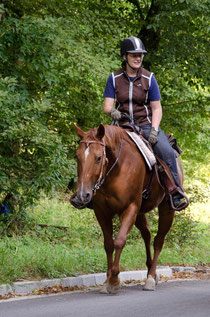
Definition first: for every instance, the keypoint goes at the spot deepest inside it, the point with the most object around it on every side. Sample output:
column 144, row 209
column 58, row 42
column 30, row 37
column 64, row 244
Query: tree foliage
column 55, row 57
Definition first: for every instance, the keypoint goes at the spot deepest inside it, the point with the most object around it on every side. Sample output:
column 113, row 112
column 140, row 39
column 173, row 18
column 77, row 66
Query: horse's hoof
column 150, row 284
column 113, row 289
column 157, row 279
column 103, row 289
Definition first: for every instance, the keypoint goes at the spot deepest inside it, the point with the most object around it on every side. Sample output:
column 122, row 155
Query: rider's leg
column 165, row 152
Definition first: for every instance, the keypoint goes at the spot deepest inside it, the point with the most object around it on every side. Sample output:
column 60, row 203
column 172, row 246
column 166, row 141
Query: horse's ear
column 100, row 132
column 79, row 131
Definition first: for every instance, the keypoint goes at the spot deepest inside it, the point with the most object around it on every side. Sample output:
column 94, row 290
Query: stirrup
column 184, row 205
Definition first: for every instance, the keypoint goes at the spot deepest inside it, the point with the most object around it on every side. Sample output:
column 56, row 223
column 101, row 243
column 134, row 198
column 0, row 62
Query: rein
column 101, row 180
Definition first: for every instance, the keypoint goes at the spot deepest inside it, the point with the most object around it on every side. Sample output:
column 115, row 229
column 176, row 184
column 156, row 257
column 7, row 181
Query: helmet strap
column 128, row 63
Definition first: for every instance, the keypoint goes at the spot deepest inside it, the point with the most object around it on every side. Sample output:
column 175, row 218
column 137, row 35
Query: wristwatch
column 156, row 130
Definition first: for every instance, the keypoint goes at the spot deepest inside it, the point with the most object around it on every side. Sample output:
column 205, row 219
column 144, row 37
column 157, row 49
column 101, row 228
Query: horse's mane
column 112, row 134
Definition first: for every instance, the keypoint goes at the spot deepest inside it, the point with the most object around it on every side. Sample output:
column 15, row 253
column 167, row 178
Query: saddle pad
column 144, row 150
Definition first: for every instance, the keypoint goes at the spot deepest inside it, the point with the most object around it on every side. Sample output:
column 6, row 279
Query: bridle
column 101, row 179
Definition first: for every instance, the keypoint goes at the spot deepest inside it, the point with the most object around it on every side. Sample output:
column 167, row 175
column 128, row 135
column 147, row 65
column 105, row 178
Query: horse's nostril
column 87, row 196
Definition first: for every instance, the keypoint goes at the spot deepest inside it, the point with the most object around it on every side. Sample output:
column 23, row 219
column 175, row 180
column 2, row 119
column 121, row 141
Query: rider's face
column 135, row 60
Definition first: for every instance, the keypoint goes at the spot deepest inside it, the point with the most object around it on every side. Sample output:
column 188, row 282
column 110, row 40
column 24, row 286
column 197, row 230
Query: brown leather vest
column 132, row 96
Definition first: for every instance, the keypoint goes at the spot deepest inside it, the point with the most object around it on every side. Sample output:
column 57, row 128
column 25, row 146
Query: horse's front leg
column 128, row 219
column 107, row 229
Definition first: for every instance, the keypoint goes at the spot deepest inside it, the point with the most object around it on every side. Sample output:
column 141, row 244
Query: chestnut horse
column 113, row 174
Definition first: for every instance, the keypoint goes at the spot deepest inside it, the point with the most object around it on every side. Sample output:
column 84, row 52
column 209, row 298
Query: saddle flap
column 144, row 150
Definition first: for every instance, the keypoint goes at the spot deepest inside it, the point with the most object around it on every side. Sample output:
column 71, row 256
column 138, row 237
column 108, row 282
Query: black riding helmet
column 132, row 45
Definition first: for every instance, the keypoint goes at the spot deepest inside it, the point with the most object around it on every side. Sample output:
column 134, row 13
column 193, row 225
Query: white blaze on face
column 86, row 156
column 86, row 153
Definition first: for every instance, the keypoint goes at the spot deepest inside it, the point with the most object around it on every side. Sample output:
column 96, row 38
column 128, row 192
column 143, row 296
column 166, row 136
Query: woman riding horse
column 113, row 174
column 137, row 94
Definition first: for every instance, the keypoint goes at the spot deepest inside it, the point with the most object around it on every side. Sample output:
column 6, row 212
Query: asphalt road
column 172, row 299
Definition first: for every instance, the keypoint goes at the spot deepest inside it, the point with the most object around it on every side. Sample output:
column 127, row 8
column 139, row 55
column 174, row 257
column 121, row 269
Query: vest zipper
column 131, row 100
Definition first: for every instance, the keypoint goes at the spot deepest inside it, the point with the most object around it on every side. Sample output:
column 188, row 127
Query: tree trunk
column 149, row 37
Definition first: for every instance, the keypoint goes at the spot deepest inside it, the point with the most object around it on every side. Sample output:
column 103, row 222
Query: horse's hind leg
column 165, row 221
column 142, row 225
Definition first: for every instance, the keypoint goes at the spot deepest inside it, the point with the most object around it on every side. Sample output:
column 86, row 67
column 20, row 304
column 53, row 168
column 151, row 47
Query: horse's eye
column 98, row 159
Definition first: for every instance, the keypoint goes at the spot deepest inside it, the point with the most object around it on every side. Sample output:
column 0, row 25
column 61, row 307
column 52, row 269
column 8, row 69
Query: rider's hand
column 153, row 136
column 115, row 114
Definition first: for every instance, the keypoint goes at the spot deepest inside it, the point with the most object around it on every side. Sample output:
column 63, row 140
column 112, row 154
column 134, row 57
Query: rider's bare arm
column 108, row 105
column 156, row 113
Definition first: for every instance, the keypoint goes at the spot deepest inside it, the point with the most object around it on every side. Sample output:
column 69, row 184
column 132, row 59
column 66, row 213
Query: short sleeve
column 154, row 92
column 109, row 89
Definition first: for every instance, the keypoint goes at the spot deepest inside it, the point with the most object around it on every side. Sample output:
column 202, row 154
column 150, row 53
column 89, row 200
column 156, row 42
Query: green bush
column 32, row 157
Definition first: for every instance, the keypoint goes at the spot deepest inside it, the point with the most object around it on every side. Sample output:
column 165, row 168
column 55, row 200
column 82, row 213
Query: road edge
column 87, row 280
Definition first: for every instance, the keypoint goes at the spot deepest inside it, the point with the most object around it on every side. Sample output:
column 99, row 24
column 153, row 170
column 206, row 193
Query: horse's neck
column 114, row 143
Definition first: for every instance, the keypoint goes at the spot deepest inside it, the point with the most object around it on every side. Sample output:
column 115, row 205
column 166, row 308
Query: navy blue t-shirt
column 153, row 92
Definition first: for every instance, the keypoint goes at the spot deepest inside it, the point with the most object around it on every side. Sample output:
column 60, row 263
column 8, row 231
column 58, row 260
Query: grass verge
column 77, row 248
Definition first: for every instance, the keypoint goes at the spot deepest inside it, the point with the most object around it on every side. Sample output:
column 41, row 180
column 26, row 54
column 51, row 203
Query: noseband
column 101, row 180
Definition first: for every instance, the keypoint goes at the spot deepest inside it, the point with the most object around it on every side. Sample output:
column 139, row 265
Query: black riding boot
column 178, row 200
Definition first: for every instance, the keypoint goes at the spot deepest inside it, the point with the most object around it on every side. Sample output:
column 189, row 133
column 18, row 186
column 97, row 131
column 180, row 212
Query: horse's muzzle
column 77, row 203
column 84, row 196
